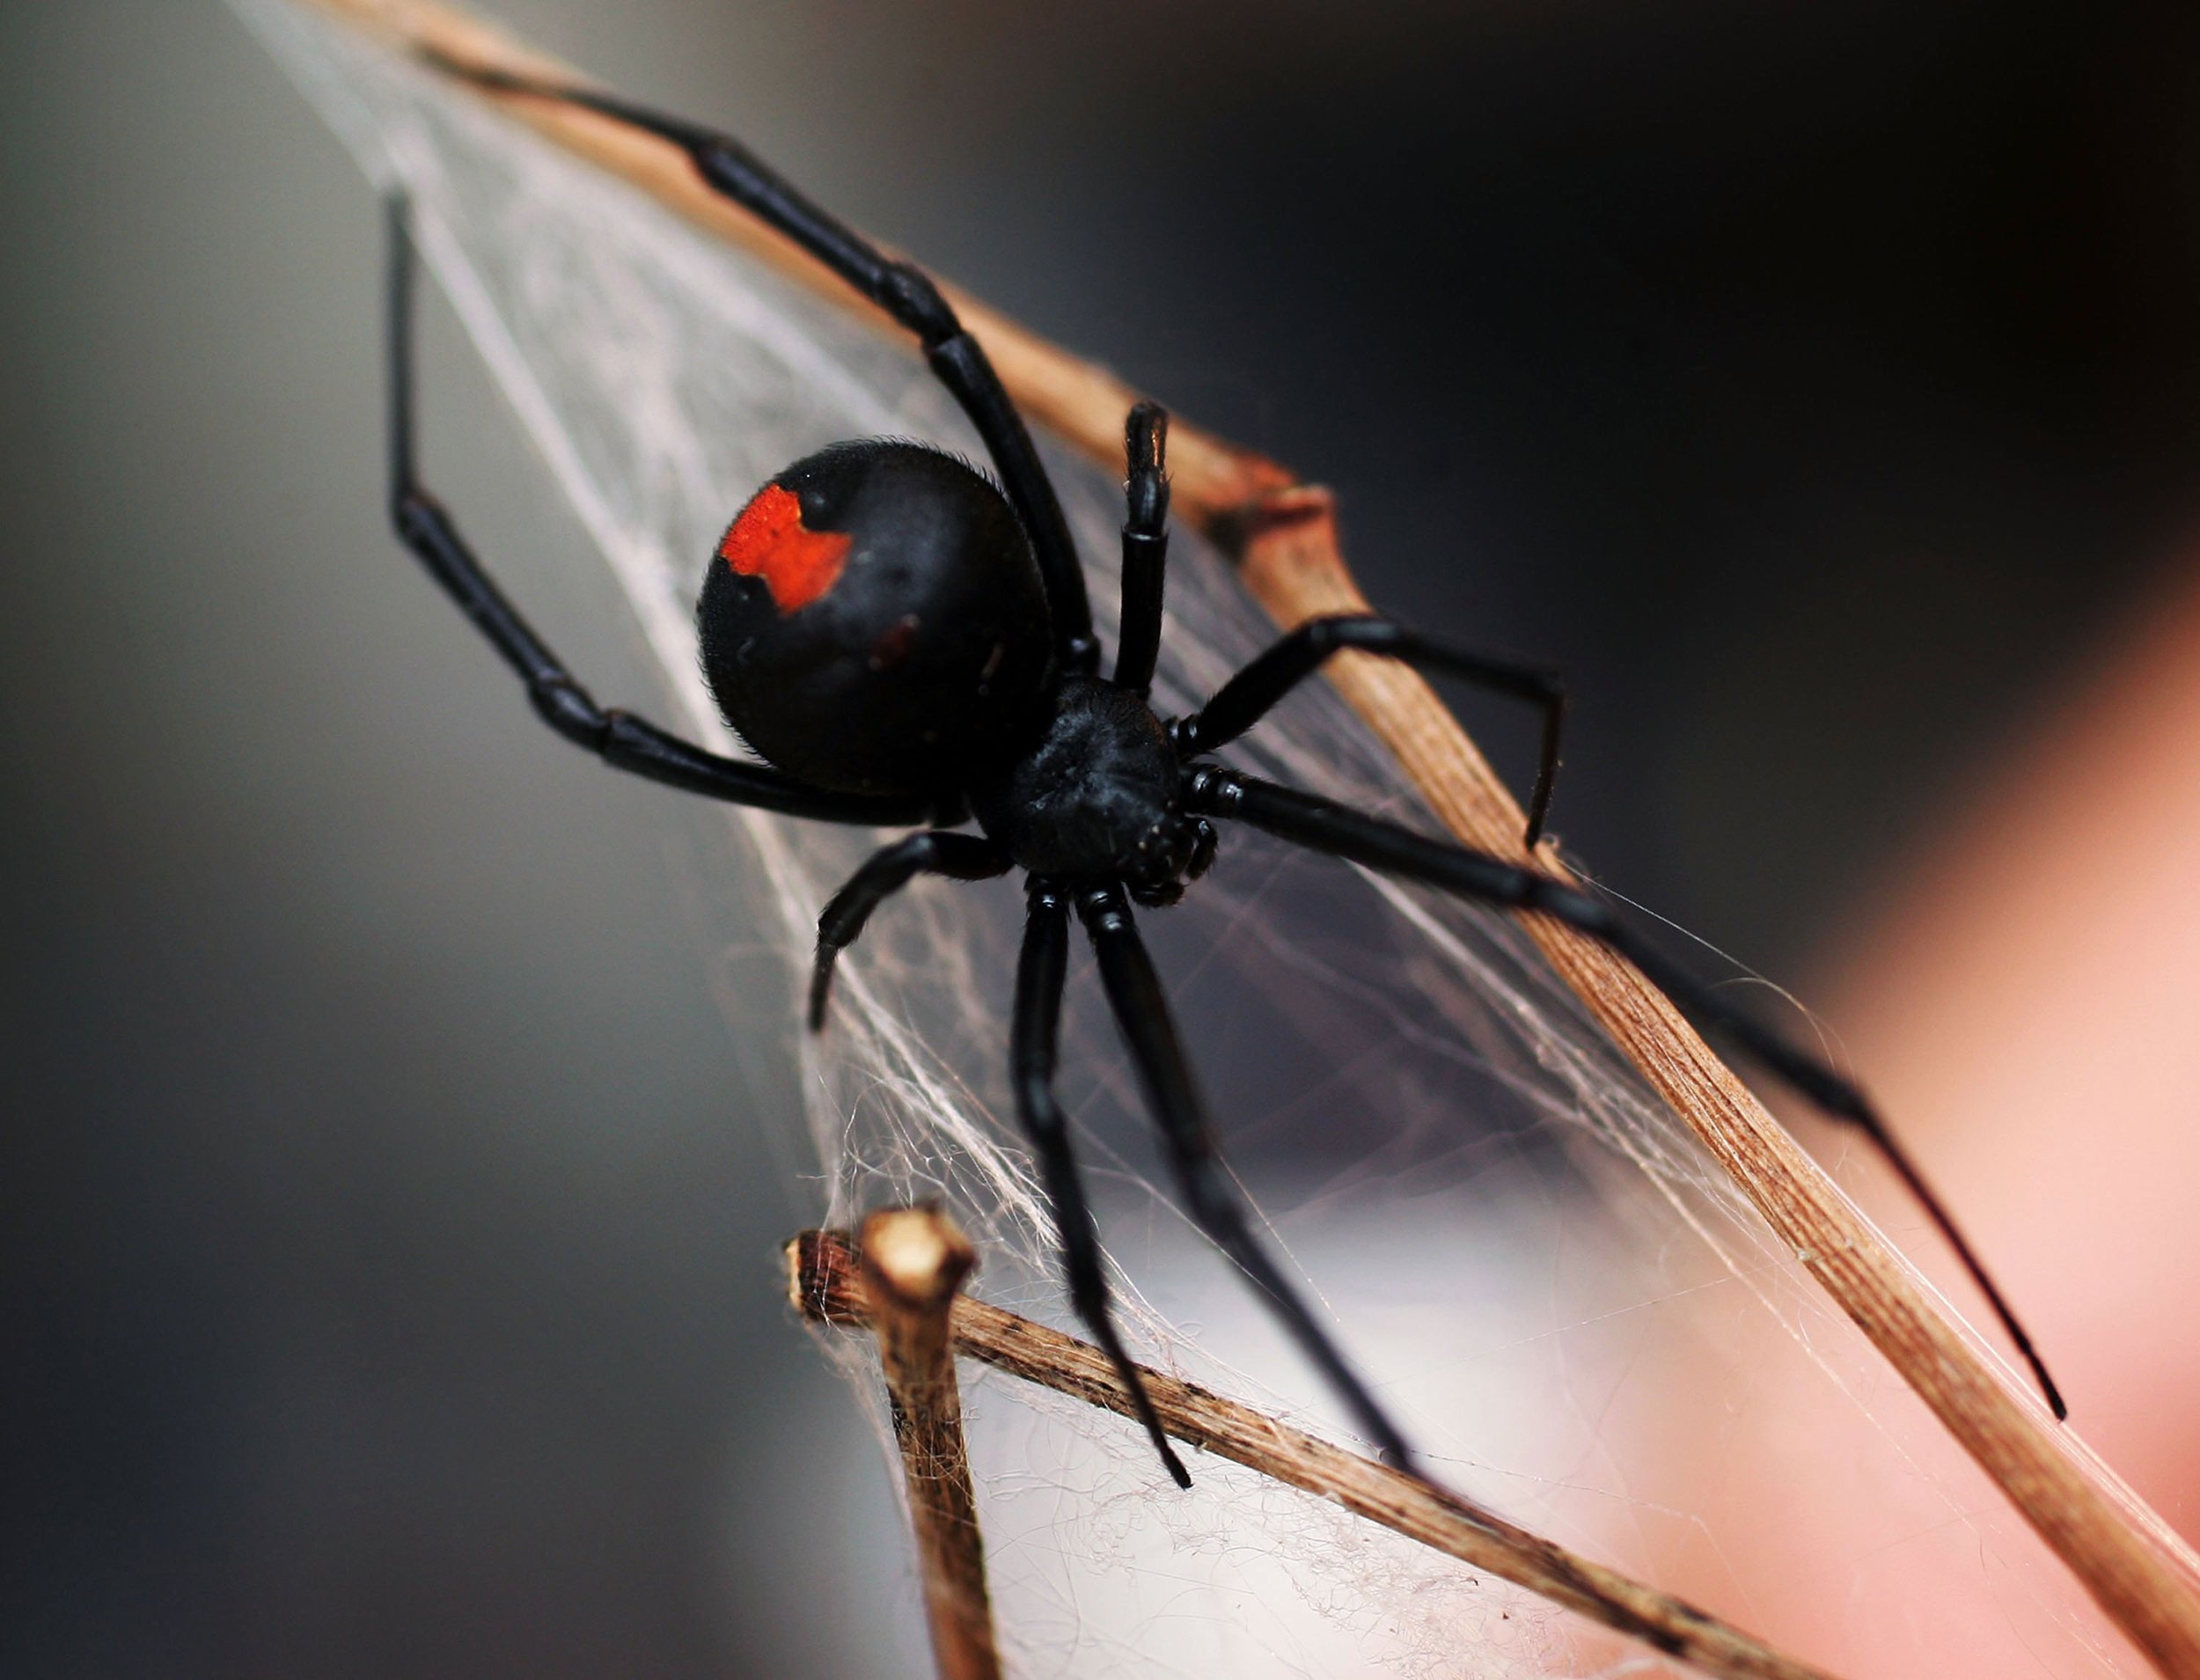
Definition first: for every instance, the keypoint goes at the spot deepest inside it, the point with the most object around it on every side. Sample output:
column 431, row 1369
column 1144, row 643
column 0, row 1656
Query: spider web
column 1565, row 1303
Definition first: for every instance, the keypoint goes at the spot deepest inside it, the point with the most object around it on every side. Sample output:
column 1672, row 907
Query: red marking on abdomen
column 768, row 541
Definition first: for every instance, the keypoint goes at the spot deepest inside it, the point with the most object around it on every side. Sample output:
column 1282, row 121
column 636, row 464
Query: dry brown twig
column 1283, row 536
column 912, row 1262
column 830, row 1282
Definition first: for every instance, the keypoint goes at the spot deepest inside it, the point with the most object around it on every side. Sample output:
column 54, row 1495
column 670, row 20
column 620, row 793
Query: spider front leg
column 1032, row 1042
column 1324, row 826
column 1145, row 545
column 1210, row 1197
column 960, row 857
column 1248, row 697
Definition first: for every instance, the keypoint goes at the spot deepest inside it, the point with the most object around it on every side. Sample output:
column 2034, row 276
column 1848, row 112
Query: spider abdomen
column 875, row 620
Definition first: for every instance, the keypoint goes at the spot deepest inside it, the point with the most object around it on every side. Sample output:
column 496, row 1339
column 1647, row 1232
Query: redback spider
column 904, row 641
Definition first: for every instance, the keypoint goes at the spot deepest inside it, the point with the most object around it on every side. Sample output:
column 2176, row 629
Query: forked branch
column 829, row 1284
column 909, row 1267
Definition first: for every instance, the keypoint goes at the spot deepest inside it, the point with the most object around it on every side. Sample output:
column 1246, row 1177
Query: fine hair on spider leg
column 906, row 642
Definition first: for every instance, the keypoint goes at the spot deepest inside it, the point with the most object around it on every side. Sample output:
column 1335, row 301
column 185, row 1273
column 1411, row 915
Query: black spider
column 905, row 643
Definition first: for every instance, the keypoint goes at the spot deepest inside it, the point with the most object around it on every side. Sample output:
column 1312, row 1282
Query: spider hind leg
column 621, row 739
column 902, row 289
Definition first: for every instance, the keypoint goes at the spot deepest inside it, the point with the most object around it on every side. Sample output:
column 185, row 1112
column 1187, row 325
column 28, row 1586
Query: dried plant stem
column 1284, row 535
column 829, row 1284
column 912, row 1262
column 2137, row 1569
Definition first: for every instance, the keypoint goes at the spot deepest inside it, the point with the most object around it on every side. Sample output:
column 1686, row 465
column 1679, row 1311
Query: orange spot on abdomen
column 768, row 541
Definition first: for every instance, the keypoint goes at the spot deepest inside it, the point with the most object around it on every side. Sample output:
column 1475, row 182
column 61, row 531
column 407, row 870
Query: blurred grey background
column 389, row 1257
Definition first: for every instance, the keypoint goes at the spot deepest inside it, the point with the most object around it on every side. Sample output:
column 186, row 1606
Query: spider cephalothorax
column 1098, row 796
column 904, row 641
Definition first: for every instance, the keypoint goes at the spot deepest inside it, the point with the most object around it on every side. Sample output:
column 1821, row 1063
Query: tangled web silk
column 1564, row 1303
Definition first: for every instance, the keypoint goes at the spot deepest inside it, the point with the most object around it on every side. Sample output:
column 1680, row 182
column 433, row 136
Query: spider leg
column 1323, row 826
column 620, row 738
column 960, row 857
column 1246, row 698
column 1145, row 545
column 1210, row 1197
column 1032, row 1050
column 900, row 288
